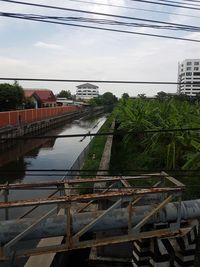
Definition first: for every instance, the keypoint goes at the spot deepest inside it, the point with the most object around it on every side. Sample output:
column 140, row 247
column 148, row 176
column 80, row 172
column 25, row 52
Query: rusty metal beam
column 100, row 195
column 173, row 180
column 100, row 242
column 78, row 181
column 117, row 218
column 97, row 219
column 155, row 210
column 12, row 242
column 91, row 201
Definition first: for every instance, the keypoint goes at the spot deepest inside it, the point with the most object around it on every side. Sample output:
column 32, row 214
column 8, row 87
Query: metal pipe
column 115, row 219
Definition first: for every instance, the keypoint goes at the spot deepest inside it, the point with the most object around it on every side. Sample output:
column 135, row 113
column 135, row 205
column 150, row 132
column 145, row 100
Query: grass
column 93, row 159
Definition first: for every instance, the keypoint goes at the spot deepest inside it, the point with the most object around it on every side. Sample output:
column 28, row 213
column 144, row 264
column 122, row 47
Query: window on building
column 189, row 63
column 196, row 73
column 196, row 68
column 188, row 68
column 196, row 63
column 188, row 73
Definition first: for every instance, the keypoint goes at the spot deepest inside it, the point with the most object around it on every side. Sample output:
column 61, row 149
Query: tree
column 143, row 96
column 64, row 94
column 162, row 96
column 11, row 96
column 106, row 99
column 125, row 96
column 28, row 103
column 109, row 98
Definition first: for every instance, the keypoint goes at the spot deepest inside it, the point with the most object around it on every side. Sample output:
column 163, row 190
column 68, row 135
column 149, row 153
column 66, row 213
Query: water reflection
column 44, row 154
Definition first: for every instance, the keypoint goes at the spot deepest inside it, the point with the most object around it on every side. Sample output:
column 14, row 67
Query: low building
column 42, row 98
column 29, row 93
column 87, row 91
column 189, row 72
column 61, row 101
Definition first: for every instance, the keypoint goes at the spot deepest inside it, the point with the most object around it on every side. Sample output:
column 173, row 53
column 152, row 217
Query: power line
column 195, row 1
column 175, row 2
column 142, row 171
column 115, row 133
column 165, row 4
column 93, row 81
column 96, row 21
column 115, row 30
column 134, row 8
column 103, row 170
column 96, row 13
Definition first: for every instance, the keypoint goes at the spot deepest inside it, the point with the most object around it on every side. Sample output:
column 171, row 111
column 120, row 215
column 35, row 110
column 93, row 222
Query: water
column 60, row 153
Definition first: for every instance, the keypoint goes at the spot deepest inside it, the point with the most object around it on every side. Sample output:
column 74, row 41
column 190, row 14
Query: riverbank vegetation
column 168, row 150
column 92, row 161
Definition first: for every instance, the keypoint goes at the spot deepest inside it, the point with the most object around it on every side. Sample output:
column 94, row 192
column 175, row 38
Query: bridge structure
column 145, row 211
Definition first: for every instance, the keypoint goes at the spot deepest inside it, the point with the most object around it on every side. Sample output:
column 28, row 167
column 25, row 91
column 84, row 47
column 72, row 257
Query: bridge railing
column 120, row 194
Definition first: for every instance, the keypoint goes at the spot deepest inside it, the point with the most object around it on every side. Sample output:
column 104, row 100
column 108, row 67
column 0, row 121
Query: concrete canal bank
column 42, row 125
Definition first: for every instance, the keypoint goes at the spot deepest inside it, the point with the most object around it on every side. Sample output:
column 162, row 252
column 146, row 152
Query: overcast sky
column 39, row 50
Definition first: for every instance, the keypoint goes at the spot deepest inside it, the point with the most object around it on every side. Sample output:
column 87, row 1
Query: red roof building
column 42, row 98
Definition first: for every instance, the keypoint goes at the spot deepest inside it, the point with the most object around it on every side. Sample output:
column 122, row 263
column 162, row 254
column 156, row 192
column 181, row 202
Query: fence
column 30, row 115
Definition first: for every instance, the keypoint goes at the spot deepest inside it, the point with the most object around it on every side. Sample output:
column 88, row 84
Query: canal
column 24, row 162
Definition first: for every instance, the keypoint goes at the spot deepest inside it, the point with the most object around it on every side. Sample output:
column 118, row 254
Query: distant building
column 42, row 98
column 189, row 72
column 87, row 91
column 62, row 101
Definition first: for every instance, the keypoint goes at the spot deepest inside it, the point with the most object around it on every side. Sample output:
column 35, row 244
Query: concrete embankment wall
column 42, row 125
column 26, row 116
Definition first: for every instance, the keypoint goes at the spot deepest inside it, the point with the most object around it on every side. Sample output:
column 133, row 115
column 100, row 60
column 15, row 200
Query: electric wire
column 164, row 4
column 115, row 30
column 100, row 28
column 180, row 3
column 94, row 81
column 135, row 8
column 96, row 13
column 115, row 133
column 104, row 170
column 102, row 175
column 98, row 21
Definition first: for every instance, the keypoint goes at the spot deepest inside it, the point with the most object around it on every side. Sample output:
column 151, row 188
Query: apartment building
column 87, row 91
column 189, row 72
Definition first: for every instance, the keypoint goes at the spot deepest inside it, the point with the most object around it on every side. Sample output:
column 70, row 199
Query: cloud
column 53, row 51
column 48, row 46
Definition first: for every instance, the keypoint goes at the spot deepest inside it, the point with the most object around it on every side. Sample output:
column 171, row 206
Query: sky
column 40, row 50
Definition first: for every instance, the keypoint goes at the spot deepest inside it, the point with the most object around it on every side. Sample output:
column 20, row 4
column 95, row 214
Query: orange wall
column 31, row 115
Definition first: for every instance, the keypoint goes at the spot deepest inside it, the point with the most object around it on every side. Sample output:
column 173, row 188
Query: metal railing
column 133, row 208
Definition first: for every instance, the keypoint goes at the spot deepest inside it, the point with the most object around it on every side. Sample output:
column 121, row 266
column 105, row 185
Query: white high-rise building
column 189, row 72
column 87, row 91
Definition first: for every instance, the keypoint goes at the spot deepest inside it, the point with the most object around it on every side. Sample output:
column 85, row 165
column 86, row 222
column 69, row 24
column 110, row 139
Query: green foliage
column 95, row 153
column 65, row 94
column 106, row 99
column 11, row 96
column 142, row 96
column 28, row 103
column 167, row 150
column 125, row 95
